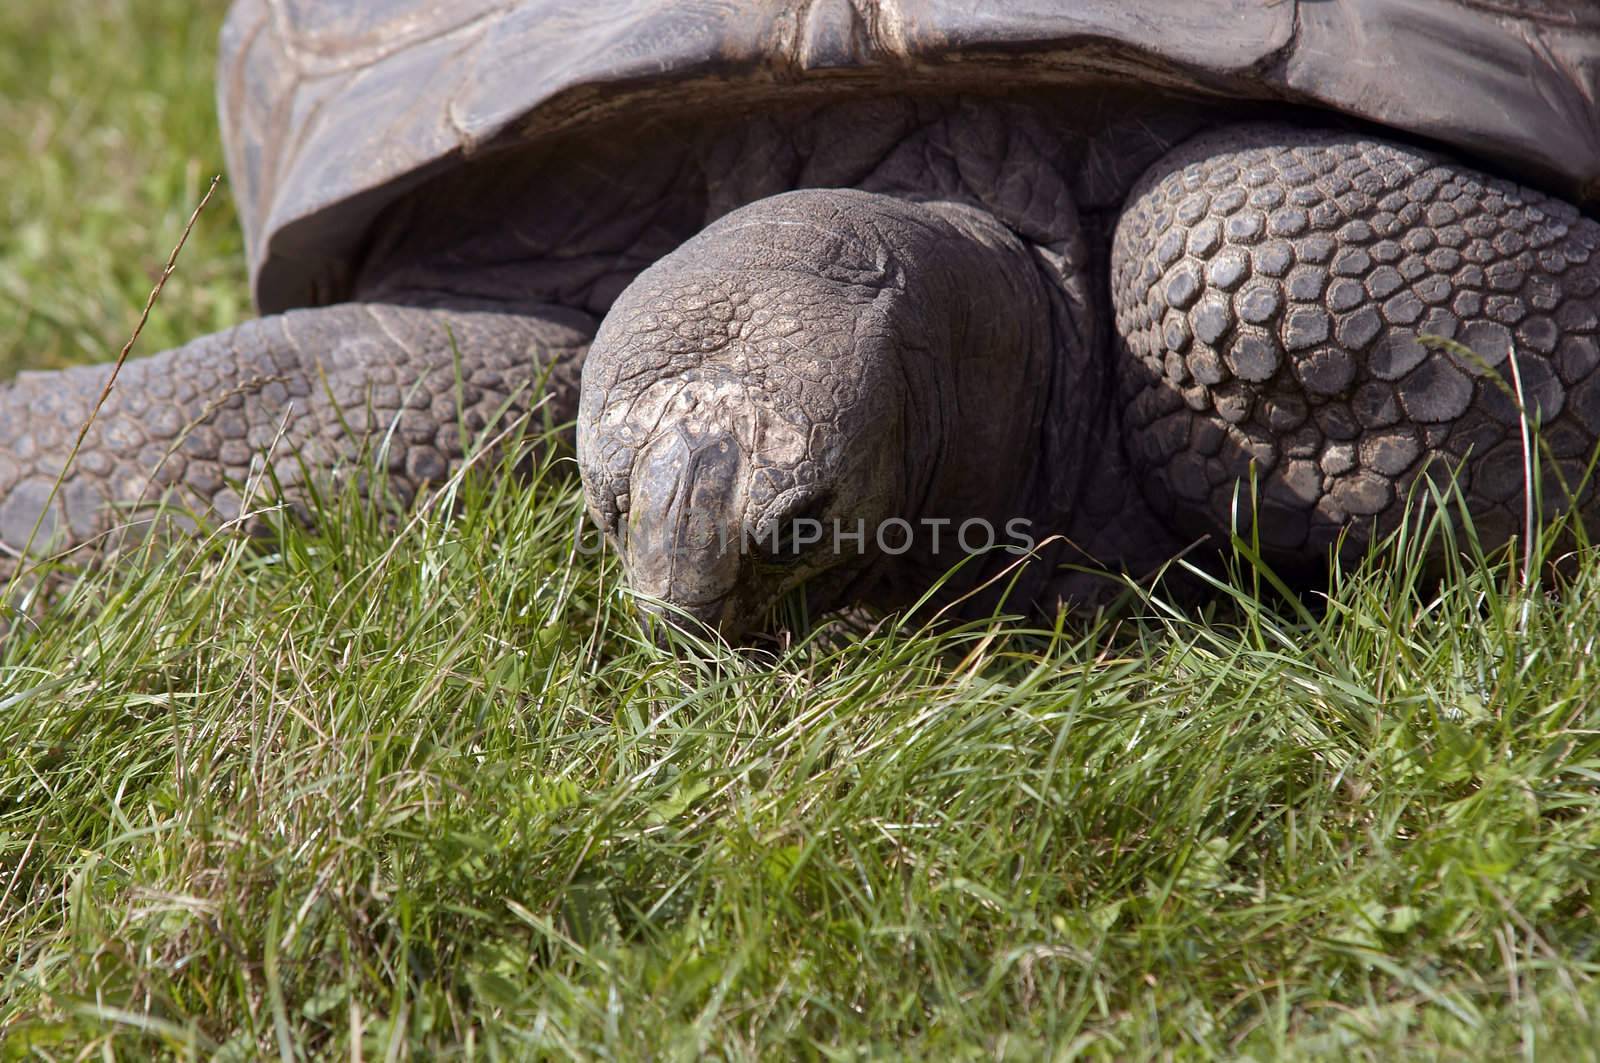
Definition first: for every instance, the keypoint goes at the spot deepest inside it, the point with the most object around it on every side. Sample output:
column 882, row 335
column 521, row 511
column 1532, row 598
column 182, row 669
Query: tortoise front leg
column 1280, row 292
column 307, row 391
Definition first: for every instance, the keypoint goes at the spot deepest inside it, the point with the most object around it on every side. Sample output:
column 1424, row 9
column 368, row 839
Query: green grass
column 108, row 138
column 418, row 787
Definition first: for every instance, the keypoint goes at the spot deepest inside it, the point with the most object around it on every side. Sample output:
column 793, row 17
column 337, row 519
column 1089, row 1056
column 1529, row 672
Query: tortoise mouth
column 715, row 616
column 690, row 559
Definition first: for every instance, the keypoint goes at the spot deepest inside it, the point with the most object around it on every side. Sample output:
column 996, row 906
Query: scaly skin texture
column 305, row 390
column 1270, row 287
column 1274, row 286
column 533, row 249
column 980, row 310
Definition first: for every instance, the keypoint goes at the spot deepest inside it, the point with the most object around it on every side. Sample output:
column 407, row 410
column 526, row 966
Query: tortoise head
column 737, row 426
column 781, row 400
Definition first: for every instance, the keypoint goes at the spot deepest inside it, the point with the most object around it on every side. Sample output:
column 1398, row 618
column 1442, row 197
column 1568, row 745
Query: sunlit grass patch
column 414, row 782
column 423, row 779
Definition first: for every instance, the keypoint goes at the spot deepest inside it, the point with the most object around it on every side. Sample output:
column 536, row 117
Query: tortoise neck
column 979, row 343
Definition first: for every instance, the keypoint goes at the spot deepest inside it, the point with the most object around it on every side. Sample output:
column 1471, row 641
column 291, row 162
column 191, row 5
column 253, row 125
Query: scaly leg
column 1276, row 288
column 308, row 390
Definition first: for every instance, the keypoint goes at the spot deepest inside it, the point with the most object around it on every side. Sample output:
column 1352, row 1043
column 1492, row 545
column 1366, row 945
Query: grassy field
column 373, row 794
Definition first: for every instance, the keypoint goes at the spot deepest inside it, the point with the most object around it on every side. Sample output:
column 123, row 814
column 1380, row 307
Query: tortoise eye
column 784, row 547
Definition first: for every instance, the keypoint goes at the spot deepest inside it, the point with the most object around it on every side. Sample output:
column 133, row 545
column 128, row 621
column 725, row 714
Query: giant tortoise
column 821, row 279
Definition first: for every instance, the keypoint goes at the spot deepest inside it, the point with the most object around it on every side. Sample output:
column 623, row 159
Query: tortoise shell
column 332, row 110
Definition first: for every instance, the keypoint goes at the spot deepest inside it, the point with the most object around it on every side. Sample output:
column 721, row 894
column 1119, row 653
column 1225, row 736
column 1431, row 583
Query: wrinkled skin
column 761, row 376
column 1102, row 326
column 1271, row 290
